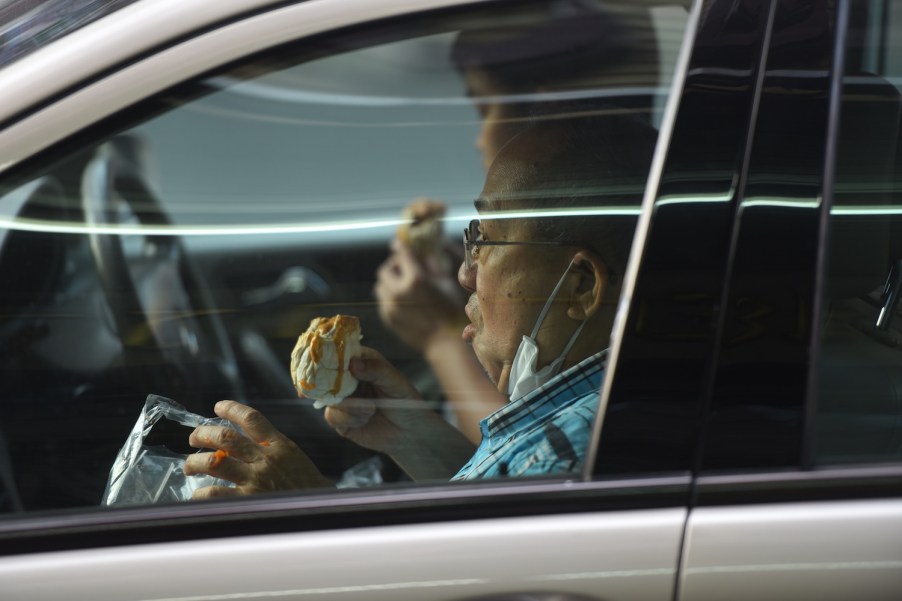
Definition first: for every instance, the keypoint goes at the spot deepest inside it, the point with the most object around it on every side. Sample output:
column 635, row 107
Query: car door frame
column 839, row 525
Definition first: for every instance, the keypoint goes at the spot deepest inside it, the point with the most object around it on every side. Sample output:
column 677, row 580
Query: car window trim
column 823, row 484
column 837, row 70
column 346, row 509
column 640, row 238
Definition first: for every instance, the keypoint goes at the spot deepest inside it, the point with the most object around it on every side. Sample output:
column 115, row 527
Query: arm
column 398, row 422
column 471, row 393
column 424, row 309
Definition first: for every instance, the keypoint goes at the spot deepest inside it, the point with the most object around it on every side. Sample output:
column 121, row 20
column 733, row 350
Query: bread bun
column 422, row 228
column 320, row 359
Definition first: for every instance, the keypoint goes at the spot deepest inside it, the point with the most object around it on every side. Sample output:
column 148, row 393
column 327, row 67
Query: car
column 184, row 186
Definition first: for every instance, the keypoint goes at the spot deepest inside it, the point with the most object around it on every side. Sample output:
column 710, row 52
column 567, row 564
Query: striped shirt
column 546, row 431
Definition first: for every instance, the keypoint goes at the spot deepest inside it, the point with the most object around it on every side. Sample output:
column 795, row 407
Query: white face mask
column 524, row 377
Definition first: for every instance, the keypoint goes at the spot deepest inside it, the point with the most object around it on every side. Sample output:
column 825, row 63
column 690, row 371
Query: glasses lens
column 471, row 235
column 467, row 259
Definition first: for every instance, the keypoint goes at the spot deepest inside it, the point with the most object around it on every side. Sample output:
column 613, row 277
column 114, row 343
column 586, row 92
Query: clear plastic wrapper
column 365, row 474
column 149, row 467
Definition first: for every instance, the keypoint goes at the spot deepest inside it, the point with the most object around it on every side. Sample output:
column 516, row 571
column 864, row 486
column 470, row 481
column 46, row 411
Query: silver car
column 185, row 185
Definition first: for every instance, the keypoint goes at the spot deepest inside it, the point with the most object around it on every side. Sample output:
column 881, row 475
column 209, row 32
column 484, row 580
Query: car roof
column 27, row 25
column 148, row 35
column 103, row 34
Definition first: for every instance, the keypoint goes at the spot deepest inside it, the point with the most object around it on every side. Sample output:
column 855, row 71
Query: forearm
column 436, row 450
column 471, row 393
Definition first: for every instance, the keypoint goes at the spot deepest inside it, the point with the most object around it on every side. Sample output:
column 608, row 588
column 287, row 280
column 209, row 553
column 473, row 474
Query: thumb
column 350, row 413
column 370, row 366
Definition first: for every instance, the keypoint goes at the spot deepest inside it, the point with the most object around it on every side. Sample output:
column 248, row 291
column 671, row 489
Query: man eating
column 543, row 266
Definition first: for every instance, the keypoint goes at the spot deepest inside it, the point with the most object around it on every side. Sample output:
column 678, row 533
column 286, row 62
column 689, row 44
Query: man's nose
column 467, row 277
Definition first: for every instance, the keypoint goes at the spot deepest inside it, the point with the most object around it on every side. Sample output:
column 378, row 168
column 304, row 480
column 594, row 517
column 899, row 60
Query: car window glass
column 859, row 414
column 184, row 246
column 755, row 420
column 714, row 357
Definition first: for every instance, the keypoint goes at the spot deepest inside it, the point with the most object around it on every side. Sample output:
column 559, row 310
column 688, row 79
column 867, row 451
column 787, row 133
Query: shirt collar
column 579, row 380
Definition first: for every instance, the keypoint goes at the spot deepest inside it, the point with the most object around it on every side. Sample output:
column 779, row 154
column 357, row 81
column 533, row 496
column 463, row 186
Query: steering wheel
column 159, row 303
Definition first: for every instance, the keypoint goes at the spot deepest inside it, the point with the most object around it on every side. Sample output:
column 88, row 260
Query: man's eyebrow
column 481, row 204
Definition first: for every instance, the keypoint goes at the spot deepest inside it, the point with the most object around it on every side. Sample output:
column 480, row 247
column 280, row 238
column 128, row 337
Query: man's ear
column 593, row 279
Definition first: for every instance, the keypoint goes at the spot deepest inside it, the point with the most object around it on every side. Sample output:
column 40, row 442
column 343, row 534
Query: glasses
column 472, row 243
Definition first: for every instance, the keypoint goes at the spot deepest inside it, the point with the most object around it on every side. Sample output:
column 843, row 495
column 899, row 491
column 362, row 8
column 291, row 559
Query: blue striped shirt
column 546, row 431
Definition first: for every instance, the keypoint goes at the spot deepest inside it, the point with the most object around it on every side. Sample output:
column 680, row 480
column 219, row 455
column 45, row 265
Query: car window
column 760, row 365
column 174, row 256
column 724, row 309
column 859, row 413
column 679, row 380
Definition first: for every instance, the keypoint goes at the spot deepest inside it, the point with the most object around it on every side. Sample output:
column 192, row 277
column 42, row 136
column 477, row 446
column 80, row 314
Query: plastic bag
column 364, row 474
column 148, row 468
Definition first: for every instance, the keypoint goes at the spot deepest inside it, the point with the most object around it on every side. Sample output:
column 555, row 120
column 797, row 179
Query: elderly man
column 543, row 291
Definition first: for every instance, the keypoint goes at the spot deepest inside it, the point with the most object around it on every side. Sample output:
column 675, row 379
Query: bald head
column 573, row 164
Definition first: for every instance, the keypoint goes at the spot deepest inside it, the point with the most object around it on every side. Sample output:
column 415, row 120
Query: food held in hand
column 319, row 361
column 422, row 228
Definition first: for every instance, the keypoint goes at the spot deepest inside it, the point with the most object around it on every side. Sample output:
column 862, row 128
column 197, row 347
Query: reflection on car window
column 382, row 257
column 859, row 415
column 28, row 25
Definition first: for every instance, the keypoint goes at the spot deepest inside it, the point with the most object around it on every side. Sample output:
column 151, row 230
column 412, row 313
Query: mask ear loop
column 572, row 340
column 547, row 308
column 548, row 303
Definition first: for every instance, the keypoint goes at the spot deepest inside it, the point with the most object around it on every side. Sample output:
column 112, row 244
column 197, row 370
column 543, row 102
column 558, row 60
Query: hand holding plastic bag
column 144, row 472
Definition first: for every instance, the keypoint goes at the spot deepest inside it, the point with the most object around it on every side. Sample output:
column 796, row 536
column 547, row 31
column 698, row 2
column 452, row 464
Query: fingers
column 264, row 460
column 390, row 282
column 422, row 208
column 218, row 466
column 406, row 262
column 400, row 268
column 226, row 439
column 234, row 450
column 389, row 286
column 351, row 413
column 215, row 492
column 398, row 248
column 370, row 366
column 254, row 424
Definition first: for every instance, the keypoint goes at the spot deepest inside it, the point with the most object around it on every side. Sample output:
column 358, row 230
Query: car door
column 798, row 493
column 170, row 230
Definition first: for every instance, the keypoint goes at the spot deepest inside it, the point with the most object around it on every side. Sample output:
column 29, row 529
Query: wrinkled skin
column 393, row 419
column 263, row 460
